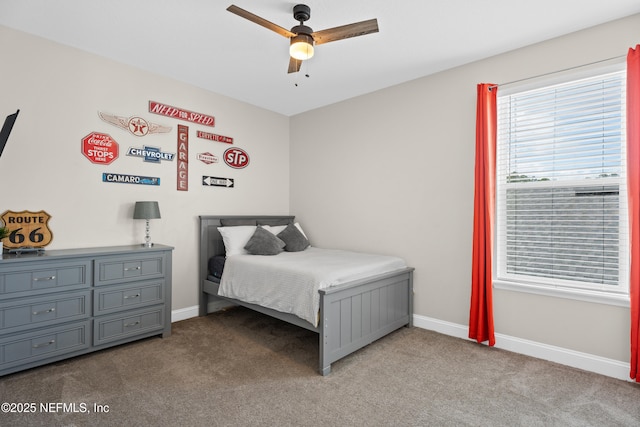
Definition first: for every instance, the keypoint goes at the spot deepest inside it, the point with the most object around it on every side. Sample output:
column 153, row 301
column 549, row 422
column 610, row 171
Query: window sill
column 620, row 300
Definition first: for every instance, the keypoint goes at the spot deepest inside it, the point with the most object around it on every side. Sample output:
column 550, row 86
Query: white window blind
column 561, row 185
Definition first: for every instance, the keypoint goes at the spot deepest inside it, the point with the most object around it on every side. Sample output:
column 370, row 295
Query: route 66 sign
column 27, row 229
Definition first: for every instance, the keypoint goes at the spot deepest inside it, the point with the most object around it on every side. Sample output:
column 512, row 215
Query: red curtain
column 481, row 313
column 633, row 187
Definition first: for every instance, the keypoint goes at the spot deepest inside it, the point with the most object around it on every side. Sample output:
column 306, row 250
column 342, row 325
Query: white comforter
column 289, row 282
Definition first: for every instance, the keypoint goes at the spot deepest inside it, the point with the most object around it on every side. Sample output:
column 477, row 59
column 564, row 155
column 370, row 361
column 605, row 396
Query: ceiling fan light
column 301, row 47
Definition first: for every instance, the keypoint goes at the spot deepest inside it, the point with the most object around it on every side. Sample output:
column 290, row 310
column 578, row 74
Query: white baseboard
column 184, row 313
column 194, row 311
column 588, row 362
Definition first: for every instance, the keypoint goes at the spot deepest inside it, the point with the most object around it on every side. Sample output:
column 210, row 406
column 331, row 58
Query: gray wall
column 59, row 91
column 392, row 172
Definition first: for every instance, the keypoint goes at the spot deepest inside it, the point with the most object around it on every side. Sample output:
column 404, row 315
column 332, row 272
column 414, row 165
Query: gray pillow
column 294, row 239
column 264, row 242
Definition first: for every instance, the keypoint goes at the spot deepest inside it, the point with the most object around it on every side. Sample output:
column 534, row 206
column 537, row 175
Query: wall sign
column 27, row 229
column 214, row 137
column 181, row 114
column 150, row 154
column 217, row 182
column 100, row 148
column 236, row 158
column 136, row 125
column 207, row 158
column 183, row 158
column 130, row 179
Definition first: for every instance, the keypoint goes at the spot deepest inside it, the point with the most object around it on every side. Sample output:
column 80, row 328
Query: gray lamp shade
column 146, row 210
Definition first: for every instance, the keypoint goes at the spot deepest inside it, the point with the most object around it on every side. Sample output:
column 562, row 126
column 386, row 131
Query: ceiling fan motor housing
column 302, row 29
column 301, row 12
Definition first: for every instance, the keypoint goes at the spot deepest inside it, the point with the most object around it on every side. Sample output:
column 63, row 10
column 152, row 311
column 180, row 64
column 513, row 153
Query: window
column 561, row 220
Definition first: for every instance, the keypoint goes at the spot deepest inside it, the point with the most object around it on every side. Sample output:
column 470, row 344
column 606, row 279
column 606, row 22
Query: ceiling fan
column 303, row 38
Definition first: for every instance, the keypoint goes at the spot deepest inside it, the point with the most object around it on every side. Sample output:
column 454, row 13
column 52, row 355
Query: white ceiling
column 199, row 42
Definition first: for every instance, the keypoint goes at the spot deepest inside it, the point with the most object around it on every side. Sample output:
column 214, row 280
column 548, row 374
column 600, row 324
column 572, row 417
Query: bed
column 350, row 316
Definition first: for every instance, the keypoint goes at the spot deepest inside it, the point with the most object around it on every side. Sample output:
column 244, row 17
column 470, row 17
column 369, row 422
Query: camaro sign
column 130, row 179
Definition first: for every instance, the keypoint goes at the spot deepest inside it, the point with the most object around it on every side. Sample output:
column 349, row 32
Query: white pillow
column 275, row 229
column 297, row 224
column 236, row 238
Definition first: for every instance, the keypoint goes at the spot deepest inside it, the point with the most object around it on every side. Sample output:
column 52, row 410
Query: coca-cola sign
column 100, row 148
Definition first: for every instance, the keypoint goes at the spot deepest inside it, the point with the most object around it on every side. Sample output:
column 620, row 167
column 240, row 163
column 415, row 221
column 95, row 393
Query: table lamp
column 146, row 211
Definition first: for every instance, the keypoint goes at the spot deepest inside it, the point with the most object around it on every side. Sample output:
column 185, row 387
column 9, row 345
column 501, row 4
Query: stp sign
column 236, row 158
column 100, row 148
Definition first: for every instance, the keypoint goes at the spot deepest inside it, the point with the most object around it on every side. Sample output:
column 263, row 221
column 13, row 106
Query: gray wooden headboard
column 211, row 241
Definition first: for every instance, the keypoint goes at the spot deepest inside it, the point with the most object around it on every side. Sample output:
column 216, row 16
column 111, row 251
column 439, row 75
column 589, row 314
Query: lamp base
column 147, row 237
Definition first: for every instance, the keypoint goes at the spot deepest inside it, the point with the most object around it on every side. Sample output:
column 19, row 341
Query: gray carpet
column 240, row 368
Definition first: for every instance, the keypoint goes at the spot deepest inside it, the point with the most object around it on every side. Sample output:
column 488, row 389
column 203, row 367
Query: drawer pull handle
column 44, row 344
column 131, row 296
column 132, row 268
column 50, row 310
column 126, row 325
column 40, row 279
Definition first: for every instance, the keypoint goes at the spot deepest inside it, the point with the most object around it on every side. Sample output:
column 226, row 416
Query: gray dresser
column 63, row 303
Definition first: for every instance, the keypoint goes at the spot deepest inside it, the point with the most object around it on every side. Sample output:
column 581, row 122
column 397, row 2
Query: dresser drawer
column 25, row 280
column 110, row 271
column 118, row 327
column 62, row 303
column 26, row 348
column 125, row 297
column 16, row 315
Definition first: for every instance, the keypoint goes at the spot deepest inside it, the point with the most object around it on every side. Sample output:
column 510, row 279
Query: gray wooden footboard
column 352, row 315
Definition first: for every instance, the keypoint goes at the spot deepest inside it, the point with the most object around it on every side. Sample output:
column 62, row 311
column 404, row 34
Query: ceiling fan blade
column 345, row 31
column 260, row 21
column 294, row 65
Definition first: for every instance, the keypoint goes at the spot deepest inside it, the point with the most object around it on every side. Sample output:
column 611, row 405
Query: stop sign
column 99, row 148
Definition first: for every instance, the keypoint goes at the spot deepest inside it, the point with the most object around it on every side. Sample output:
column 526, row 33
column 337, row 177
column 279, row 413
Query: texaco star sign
column 136, row 125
